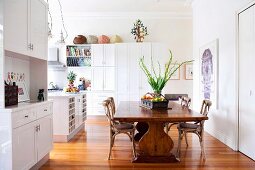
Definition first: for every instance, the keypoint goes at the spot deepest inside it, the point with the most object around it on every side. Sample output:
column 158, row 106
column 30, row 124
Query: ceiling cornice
column 116, row 15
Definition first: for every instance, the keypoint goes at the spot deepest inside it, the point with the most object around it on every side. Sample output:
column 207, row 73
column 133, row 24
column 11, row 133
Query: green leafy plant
column 158, row 81
column 71, row 76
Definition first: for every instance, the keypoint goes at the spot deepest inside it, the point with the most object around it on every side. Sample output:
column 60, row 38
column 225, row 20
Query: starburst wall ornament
column 139, row 31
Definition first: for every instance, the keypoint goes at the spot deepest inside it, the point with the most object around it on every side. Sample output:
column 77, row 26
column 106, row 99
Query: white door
column 109, row 78
column 122, row 74
column 146, row 53
column 44, row 136
column 24, row 147
column 38, row 29
column 134, row 53
column 98, row 78
column 109, row 54
column 97, row 54
column 16, row 27
column 247, row 82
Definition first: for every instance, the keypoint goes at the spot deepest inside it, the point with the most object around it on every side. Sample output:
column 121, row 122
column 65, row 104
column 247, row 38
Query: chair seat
column 188, row 125
column 124, row 126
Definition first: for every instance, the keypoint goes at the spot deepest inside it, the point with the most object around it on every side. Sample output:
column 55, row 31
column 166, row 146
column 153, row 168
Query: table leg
column 155, row 146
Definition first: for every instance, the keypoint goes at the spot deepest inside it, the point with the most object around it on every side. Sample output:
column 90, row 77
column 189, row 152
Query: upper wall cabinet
column 103, row 54
column 26, row 27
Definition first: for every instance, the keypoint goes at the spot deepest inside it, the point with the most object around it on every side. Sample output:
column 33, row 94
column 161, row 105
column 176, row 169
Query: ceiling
column 86, row 6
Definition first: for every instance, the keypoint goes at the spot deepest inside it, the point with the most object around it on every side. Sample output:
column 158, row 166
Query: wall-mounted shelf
column 78, row 55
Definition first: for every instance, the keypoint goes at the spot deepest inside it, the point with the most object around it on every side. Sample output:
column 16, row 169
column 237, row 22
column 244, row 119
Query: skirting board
column 222, row 137
column 41, row 162
column 66, row 138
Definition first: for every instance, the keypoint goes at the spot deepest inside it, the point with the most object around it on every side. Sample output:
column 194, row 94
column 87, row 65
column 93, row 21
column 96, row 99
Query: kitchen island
column 69, row 114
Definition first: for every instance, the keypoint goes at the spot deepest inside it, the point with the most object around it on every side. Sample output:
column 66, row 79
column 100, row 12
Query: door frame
column 237, row 71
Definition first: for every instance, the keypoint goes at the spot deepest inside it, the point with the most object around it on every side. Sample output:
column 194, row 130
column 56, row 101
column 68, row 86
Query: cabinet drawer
column 44, row 110
column 23, row 117
column 102, row 96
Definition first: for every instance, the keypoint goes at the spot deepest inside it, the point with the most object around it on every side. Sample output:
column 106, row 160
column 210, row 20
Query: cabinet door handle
column 39, row 127
column 29, row 46
column 45, row 110
column 32, row 47
column 26, row 116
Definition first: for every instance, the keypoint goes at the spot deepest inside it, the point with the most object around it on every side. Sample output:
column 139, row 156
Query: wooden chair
column 196, row 127
column 118, row 128
column 185, row 103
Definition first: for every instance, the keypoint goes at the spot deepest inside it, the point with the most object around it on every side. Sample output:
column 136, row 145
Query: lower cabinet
column 31, row 142
column 24, row 147
column 44, row 136
column 32, row 136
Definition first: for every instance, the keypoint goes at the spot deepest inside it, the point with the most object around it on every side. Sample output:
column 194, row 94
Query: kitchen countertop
column 64, row 94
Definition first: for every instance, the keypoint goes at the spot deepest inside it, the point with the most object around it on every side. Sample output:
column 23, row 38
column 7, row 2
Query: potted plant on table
column 158, row 81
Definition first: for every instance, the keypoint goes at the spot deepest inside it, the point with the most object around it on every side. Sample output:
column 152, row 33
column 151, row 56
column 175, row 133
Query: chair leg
column 178, row 154
column 111, row 144
column 133, row 143
column 186, row 140
column 201, row 140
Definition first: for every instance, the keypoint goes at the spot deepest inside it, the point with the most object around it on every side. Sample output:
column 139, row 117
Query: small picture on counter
column 22, row 92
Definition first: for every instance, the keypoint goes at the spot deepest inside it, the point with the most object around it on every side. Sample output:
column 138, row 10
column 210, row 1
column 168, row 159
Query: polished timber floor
column 89, row 150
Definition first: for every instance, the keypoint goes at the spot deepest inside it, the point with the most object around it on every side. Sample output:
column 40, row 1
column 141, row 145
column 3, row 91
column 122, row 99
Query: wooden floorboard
column 89, row 150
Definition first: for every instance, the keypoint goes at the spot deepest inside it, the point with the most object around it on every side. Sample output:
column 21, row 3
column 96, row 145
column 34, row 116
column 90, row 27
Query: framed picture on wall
column 208, row 72
column 176, row 75
column 188, row 71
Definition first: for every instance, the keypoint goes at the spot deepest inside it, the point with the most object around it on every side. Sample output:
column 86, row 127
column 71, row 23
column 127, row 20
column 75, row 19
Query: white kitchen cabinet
column 131, row 80
column 38, row 29
column 103, row 54
column 26, row 27
column 29, row 135
column 44, row 136
column 97, row 78
column 24, row 148
column 15, row 27
column 80, row 109
column 95, row 100
column 103, row 79
column 69, row 114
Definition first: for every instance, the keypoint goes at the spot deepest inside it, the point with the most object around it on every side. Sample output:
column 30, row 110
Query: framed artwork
column 176, row 75
column 188, row 71
column 208, row 72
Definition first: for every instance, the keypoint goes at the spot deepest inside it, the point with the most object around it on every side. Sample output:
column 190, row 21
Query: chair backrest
column 108, row 111
column 112, row 104
column 185, row 102
column 206, row 104
column 174, row 96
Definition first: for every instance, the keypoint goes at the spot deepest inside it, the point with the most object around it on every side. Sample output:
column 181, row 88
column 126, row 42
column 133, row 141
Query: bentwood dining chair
column 185, row 103
column 196, row 128
column 118, row 128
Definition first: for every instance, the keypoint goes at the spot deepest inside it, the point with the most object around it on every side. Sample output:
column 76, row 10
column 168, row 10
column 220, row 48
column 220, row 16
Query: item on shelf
column 80, row 39
column 103, row 39
column 139, row 31
column 40, row 95
column 71, row 77
column 115, row 39
column 92, row 39
column 153, row 100
column 11, row 94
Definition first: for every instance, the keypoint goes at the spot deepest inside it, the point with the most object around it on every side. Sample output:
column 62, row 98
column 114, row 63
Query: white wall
column 216, row 19
column 169, row 23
